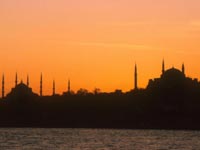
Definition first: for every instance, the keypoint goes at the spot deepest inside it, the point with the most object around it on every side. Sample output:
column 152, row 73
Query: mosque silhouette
column 171, row 101
column 24, row 89
column 171, row 79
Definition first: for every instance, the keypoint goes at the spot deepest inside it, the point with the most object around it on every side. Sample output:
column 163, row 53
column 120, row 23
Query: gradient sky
column 96, row 43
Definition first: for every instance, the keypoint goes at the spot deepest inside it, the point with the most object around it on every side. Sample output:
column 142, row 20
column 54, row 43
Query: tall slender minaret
column 136, row 87
column 3, row 90
column 27, row 81
column 69, row 86
column 54, row 87
column 41, row 85
column 163, row 67
column 183, row 68
column 16, row 79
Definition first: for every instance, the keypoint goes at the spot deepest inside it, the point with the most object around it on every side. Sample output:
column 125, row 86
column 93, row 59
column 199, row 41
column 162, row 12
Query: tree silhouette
column 82, row 92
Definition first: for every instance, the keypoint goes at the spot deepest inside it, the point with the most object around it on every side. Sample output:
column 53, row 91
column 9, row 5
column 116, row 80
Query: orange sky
column 95, row 43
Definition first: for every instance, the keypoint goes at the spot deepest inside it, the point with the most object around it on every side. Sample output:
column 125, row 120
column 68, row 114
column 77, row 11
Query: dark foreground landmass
column 134, row 110
column 169, row 102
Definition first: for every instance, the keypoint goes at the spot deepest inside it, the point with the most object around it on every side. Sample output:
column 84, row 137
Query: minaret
column 136, row 87
column 54, row 87
column 69, row 86
column 183, row 68
column 16, row 79
column 27, row 81
column 41, row 85
column 163, row 67
column 3, row 90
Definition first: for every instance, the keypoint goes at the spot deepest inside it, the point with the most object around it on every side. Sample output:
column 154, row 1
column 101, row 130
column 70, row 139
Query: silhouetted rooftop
column 21, row 90
column 173, row 73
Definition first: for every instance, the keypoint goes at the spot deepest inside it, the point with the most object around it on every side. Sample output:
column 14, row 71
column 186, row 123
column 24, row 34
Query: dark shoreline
column 156, row 125
column 41, row 127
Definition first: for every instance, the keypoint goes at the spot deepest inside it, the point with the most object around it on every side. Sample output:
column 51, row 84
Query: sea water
column 97, row 139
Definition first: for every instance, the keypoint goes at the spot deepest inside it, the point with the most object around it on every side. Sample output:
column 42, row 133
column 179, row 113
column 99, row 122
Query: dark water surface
column 97, row 139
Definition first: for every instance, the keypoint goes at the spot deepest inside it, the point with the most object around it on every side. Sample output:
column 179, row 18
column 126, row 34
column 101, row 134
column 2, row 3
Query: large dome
column 173, row 78
column 21, row 91
column 173, row 73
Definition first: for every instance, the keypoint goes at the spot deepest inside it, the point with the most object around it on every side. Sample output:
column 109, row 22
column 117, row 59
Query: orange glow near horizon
column 96, row 43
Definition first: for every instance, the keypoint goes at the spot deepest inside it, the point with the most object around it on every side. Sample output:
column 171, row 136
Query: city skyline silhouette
column 68, row 85
column 170, row 101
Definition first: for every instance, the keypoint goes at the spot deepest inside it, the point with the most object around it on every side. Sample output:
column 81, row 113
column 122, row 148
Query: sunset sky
column 96, row 43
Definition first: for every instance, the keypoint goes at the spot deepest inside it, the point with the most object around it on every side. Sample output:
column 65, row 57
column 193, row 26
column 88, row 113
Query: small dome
column 21, row 85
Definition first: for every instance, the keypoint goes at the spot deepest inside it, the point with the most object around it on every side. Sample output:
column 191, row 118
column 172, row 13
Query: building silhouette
column 27, row 82
column 3, row 90
column 20, row 94
column 183, row 68
column 171, row 78
column 16, row 79
column 68, row 92
column 163, row 67
column 54, row 88
column 136, row 78
column 41, row 85
column 69, row 86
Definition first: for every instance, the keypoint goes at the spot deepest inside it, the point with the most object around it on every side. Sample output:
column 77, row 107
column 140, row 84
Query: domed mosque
column 21, row 91
column 172, row 79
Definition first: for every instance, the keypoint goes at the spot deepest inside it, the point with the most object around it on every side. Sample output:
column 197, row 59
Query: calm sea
column 98, row 139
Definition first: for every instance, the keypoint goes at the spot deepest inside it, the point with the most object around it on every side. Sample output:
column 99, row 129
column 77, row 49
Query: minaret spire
column 183, row 68
column 16, row 79
column 41, row 85
column 69, row 86
column 27, row 81
column 163, row 66
column 54, row 87
column 3, row 90
column 136, row 87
